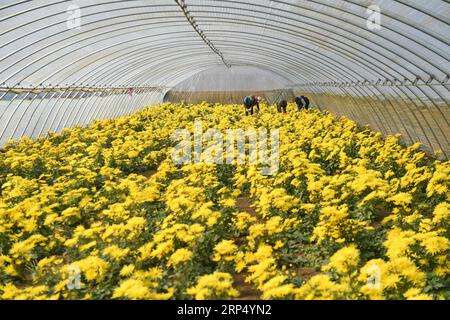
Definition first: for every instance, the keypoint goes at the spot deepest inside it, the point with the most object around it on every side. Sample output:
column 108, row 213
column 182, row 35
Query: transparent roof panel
column 162, row 42
column 234, row 79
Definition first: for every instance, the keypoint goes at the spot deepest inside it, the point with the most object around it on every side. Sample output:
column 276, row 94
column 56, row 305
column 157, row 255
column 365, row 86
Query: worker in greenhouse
column 282, row 106
column 250, row 102
column 302, row 103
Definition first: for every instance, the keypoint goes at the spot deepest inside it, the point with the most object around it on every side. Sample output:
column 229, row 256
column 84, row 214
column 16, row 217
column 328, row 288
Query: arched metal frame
column 395, row 79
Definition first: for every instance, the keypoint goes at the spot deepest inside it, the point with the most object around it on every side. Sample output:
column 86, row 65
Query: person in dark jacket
column 250, row 102
column 302, row 103
column 282, row 106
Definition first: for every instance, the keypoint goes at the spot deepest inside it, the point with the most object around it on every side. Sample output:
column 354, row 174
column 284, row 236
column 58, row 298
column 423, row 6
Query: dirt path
column 247, row 291
column 148, row 174
column 244, row 204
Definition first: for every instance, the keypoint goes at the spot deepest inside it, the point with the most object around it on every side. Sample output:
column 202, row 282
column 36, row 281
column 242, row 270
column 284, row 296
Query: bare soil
column 247, row 291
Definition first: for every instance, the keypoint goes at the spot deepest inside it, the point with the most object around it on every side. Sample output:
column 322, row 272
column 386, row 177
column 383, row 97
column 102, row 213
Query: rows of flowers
column 104, row 213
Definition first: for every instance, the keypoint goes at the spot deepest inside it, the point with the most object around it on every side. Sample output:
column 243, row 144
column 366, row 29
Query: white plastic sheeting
column 234, row 79
column 396, row 79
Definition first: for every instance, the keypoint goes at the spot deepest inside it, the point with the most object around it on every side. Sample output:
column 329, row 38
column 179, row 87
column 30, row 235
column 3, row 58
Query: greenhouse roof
column 162, row 42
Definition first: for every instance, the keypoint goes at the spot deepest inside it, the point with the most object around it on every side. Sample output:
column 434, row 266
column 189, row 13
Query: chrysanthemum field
column 104, row 213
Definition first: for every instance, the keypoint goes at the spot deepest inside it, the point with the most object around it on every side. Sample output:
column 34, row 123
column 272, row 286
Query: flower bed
column 102, row 212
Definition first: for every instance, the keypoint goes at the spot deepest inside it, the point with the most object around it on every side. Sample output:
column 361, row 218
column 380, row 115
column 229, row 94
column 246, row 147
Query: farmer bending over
column 282, row 106
column 302, row 103
column 250, row 102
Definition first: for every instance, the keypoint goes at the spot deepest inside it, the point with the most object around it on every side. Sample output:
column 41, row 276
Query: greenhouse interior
column 225, row 150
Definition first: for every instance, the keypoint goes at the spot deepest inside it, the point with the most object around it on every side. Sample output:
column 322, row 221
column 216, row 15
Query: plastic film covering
column 230, row 84
column 127, row 54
